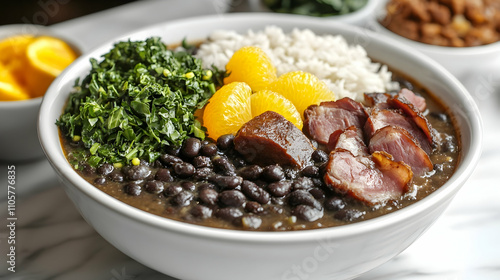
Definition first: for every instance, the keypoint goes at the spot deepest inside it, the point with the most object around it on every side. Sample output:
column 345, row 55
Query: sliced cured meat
column 387, row 117
column 400, row 145
column 324, row 119
column 370, row 179
column 271, row 139
column 351, row 139
column 417, row 101
column 410, row 110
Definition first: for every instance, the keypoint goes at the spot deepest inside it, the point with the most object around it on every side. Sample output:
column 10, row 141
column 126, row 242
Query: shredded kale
column 138, row 100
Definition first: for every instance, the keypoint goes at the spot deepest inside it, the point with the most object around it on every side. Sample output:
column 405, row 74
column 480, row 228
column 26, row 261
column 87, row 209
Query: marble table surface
column 54, row 242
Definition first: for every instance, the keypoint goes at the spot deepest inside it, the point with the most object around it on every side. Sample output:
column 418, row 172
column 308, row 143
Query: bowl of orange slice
column 31, row 57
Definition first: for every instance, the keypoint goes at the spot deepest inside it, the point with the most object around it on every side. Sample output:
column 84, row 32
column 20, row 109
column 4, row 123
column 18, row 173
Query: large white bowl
column 189, row 251
column 461, row 62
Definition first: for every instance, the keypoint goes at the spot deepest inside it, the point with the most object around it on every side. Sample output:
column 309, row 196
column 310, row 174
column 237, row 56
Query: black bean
column 226, row 182
column 173, row 150
column 319, row 156
column 155, row 187
column 299, row 197
column 138, row 172
column 87, row 169
column 201, row 212
column 239, row 162
column 254, row 207
column 182, row 199
column 205, row 185
column 317, row 193
column 280, row 188
column 202, row 173
column 228, row 214
column 116, row 177
column 163, row 174
column 191, row 147
column 277, row 200
column 170, row 160
column 172, row 190
column 232, row 198
column 201, row 161
column 254, row 192
column 223, row 166
column 188, row 186
column 251, row 172
column 184, row 169
column 251, row 222
column 318, row 182
column 132, row 189
column 209, row 149
column 334, row 203
column 310, row 171
column 303, row 183
column 225, row 142
column 348, row 215
column 307, row 213
column 273, row 173
column 100, row 181
column 208, row 197
column 105, row 169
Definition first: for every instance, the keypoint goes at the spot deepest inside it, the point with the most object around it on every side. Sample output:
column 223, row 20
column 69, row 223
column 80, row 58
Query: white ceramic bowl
column 18, row 133
column 461, row 62
column 189, row 251
column 359, row 17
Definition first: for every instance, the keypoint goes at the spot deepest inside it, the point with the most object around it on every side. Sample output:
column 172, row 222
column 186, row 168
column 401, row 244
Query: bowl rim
column 375, row 25
column 63, row 168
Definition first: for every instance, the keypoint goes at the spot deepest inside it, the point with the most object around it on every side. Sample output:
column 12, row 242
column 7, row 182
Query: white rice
column 347, row 70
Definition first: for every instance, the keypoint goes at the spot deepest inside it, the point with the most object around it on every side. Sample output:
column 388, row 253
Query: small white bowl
column 188, row 251
column 358, row 18
column 19, row 138
column 460, row 61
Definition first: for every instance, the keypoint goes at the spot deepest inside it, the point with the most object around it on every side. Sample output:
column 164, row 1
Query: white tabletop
column 54, row 242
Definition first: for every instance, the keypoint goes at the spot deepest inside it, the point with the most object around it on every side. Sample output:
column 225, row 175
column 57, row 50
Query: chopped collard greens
column 137, row 101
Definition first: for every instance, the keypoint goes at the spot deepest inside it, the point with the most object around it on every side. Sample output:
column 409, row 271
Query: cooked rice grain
column 347, row 70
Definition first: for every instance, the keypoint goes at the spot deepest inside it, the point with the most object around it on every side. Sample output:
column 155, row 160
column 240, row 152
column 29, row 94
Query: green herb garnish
column 139, row 99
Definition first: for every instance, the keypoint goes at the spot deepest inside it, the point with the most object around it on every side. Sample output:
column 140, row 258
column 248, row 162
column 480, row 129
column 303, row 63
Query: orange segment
column 10, row 90
column 267, row 100
column 252, row 66
column 47, row 57
column 228, row 109
column 13, row 55
column 302, row 89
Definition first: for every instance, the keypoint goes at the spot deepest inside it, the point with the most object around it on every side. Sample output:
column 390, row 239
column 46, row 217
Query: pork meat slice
column 350, row 139
column 320, row 121
column 420, row 120
column 372, row 179
column 410, row 96
column 381, row 118
column 400, row 145
column 269, row 138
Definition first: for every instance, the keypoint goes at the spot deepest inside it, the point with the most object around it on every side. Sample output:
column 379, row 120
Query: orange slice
column 302, row 89
column 252, row 66
column 13, row 55
column 47, row 58
column 10, row 90
column 228, row 109
column 267, row 100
